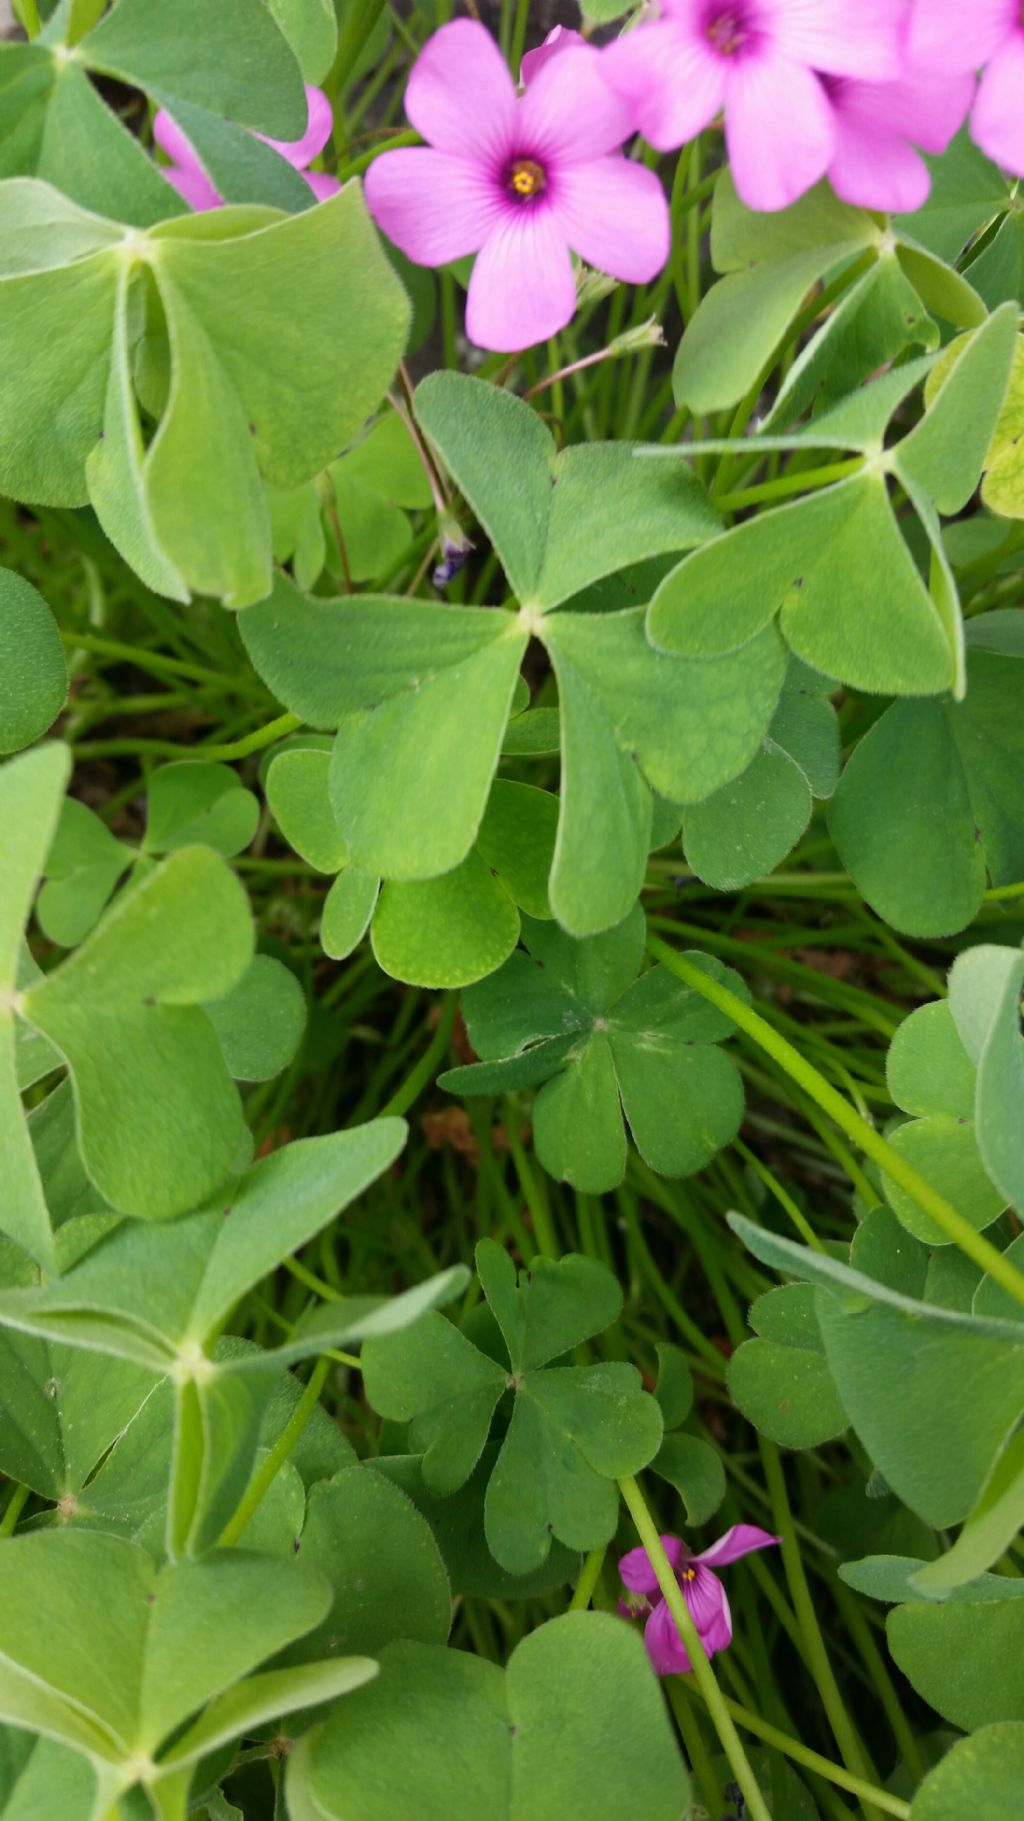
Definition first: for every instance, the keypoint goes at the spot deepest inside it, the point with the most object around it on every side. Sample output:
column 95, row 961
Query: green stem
column 359, row 21
column 546, row 1240
column 235, row 749
column 590, row 1574
column 703, row 1673
column 789, row 483
column 356, row 166
column 15, row 1506
column 263, row 1479
column 155, row 661
column 822, row 1674
column 417, row 1079
column 813, row 1761
column 831, row 1102
column 519, row 36
column 680, row 1700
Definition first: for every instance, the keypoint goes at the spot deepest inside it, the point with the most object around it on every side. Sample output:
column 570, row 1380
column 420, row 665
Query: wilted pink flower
column 950, row 37
column 761, row 61
column 702, row 1590
column 519, row 181
column 189, row 178
column 873, row 165
column 558, row 39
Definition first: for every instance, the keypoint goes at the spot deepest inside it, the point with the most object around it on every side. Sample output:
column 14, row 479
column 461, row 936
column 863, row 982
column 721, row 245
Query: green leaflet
column 919, row 842
column 930, row 1075
column 525, row 1745
column 574, row 1016
column 557, row 522
column 982, row 1774
column 239, row 406
column 781, row 1381
column 743, row 831
column 105, row 1653
column 421, row 696
column 572, row 1431
column 33, row 675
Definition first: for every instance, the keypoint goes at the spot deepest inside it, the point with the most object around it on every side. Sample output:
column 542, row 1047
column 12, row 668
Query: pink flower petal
column 842, row 37
column 668, row 1653
column 997, row 120
column 523, row 287
column 950, row 36
column 930, row 110
column 673, row 86
column 635, row 1571
column 433, row 206
column 319, row 124
column 874, row 169
column 709, row 1608
column 192, row 183
column 322, row 184
column 172, row 140
column 559, row 39
column 570, row 112
column 460, row 95
column 615, row 216
column 779, row 130
column 739, row 1540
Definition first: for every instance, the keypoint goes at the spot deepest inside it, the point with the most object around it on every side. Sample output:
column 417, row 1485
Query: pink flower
column 558, row 39
column 952, row 37
column 873, row 165
column 518, row 181
column 189, row 178
column 761, row 61
column 702, row 1590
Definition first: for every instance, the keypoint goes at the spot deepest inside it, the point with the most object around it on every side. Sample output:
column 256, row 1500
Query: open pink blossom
column 877, row 126
column 952, row 37
column 702, row 1590
column 519, row 181
column 760, row 61
column 558, row 39
column 189, row 178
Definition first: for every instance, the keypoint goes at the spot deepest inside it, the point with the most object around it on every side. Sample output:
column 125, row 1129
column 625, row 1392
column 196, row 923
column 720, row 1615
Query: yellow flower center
column 688, row 1574
column 526, row 179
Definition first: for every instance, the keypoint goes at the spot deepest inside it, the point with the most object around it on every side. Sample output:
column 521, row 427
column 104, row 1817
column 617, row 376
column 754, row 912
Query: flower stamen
column 726, row 31
column 526, row 179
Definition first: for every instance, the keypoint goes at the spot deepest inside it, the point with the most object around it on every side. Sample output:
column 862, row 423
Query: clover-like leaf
column 31, row 789
column 982, row 1775
column 931, row 1076
column 439, row 932
column 745, row 830
column 576, row 1709
column 572, row 1429
column 961, row 1376
column 781, row 1381
column 235, row 404
column 985, row 986
column 110, row 1655
column 62, row 1410
column 868, row 620
column 575, row 1017
column 81, row 870
column 247, row 78
column 920, row 841
column 33, row 674
column 159, row 1120
column 420, row 694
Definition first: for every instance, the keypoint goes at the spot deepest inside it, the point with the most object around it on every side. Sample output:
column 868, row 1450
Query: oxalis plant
column 511, row 911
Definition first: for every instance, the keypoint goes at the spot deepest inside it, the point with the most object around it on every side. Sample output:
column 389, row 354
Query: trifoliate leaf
column 606, row 1044
column 919, row 841
column 572, row 1427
